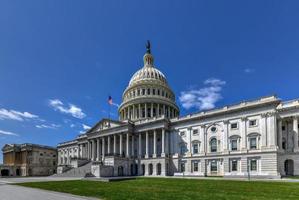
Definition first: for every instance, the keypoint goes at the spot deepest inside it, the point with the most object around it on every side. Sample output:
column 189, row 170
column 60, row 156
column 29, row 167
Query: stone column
column 92, row 150
column 152, row 110
column 164, row 110
column 139, row 145
column 202, row 139
column 109, row 146
column 133, row 117
column 114, row 144
column 127, row 145
column 168, row 108
column 243, row 134
column 279, row 134
column 88, row 150
column 158, row 110
column 139, row 110
column 155, row 144
column 103, row 148
column 146, row 144
column 98, row 149
column 145, row 108
column 132, row 150
column 163, row 143
column 295, row 129
column 225, row 136
column 121, row 144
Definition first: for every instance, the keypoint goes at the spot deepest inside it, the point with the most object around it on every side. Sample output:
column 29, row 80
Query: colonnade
column 148, row 110
column 123, row 145
column 283, row 144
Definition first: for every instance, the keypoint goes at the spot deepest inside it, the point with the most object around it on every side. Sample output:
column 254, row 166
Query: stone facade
column 28, row 160
column 257, row 138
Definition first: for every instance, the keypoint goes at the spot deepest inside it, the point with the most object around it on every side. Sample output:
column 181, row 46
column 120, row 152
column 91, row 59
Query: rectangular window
column 253, row 122
column 148, row 91
column 195, row 166
column 195, row 132
column 195, row 148
column 143, row 91
column 182, row 133
column 253, row 165
column 234, row 125
column 234, row 165
column 252, row 142
column 154, row 91
column 234, row 144
column 213, row 166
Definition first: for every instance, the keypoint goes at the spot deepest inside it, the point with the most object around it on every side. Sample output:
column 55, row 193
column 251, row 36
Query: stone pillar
column 98, row 149
column 168, row 108
column 133, row 117
column 139, row 110
column 202, row 139
column 155, row 144
column 132, row 150
column 164, row 110
column 121, row 144
column 145, row 108
column 88, row 150
column 127, row 145
column 114, row 144
column 295, row 129
column 225, row 137
column 139, row 145
column 93, row 150
column 152, row 110
column 109, row 140
column 279, row 134
column 158, row 110
column 243, row 134
column 163, row 143
column 103, row 148
column 146, row 144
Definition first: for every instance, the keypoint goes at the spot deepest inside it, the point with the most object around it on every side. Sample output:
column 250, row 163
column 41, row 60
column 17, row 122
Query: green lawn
column 168, row 188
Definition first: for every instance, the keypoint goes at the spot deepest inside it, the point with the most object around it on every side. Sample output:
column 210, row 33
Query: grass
column 171, row 188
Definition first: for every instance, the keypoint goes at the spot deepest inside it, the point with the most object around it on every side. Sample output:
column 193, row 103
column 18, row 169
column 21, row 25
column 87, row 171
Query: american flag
column 110, row 100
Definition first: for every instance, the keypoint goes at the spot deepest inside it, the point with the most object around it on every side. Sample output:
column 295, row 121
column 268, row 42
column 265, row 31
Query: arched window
column 213, row 144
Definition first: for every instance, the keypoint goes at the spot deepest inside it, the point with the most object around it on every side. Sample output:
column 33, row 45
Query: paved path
column 14, row 192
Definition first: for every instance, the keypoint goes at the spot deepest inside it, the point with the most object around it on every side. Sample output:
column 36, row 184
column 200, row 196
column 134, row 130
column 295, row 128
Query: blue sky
column 59, row 60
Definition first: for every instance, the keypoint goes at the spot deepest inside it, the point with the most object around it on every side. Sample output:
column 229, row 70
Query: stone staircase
column 82, row 171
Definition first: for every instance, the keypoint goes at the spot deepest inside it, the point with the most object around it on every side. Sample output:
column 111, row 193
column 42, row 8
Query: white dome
column 147, row 73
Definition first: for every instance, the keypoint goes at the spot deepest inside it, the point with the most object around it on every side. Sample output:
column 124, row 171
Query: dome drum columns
column 147, row 110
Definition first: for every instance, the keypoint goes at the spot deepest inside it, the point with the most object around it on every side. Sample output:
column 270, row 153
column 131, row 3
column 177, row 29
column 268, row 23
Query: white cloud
column 51, row 126
column 249, row 70
column 70, row 109
column 72, row 125
column 203, row 98
column 8, row 133
column 85, row 128
column 16, row 115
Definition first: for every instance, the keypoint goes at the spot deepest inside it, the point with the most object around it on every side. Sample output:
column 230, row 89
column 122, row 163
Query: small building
column 28, row 160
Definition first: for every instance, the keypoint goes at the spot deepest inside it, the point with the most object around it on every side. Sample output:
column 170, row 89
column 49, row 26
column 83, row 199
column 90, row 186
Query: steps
column 81, row 171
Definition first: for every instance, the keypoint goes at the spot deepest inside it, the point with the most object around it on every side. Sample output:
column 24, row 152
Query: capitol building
column 256, row 138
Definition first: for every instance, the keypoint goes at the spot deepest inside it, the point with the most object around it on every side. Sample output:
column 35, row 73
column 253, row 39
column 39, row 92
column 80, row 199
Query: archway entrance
column 4, row 172
column 143, row 169
column 120, row 171
column 18, row 172
column 289, row 167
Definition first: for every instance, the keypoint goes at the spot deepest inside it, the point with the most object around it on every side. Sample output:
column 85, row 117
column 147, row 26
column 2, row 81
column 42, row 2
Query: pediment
column 105, row 124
